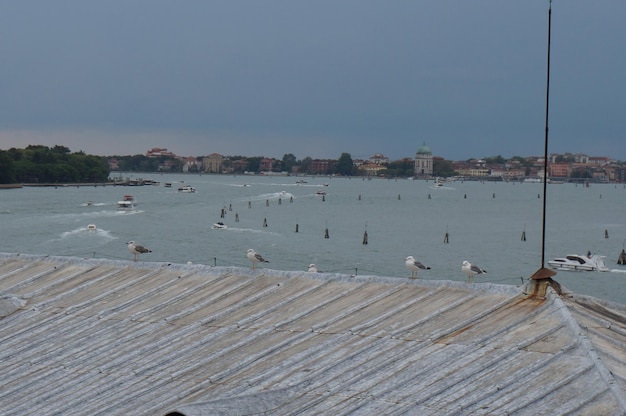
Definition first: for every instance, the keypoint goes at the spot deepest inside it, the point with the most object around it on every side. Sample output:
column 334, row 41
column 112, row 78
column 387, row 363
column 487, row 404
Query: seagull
column 470, row 270
column 414, row 265
column 312, row 268
column 254, row 257
column 137, row 249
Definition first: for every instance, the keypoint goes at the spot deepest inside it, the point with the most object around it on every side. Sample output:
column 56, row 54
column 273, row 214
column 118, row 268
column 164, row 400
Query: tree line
column 42, row 164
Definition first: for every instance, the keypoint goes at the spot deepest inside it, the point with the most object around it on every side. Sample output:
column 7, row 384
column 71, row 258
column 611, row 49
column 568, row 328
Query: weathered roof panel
column 90, row 336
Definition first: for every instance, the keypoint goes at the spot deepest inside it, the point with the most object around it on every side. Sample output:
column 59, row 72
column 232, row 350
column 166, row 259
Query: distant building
column 371, row 168
column 157, row 152
column 599, row 160
column 237, row 165
column 213, row 163
column 559, row 170
column 322, row 166
column 423, row 161
column 114, row 164
column 475, row 172
column 514, row 174
column 266, row 164
column 190, row 164
column 379, row 158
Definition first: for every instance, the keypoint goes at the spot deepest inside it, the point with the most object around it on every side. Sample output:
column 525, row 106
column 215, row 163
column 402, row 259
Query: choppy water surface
column 484, row 222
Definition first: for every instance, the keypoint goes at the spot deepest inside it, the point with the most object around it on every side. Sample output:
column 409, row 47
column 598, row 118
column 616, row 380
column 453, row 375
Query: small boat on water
column 322, row 193
column 575, row 262
column 168, row 184
column 439, row 183
column 91, row 227
column 127, row 203
column 187, row 189
column 219, row 225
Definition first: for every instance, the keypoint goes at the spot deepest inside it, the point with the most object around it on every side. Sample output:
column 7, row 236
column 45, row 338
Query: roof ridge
column 590, row 349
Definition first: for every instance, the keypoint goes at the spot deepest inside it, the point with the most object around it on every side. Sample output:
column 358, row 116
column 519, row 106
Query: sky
column 314, row 78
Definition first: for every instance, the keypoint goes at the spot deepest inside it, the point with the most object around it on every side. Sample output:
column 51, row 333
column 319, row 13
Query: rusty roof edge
column 606, row 375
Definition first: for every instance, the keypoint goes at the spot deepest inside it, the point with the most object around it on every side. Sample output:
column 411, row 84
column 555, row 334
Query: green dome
column 423, row 150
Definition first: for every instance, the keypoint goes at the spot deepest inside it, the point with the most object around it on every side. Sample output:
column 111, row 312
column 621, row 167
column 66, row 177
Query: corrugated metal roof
column 111, row 337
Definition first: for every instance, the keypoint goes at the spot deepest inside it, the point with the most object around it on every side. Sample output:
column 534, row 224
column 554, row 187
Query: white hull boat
column 126, row 204
column 187, row 189
column 575, row 262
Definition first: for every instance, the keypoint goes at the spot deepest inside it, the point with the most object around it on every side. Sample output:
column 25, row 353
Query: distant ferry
column 187, row 188
column 127, row 203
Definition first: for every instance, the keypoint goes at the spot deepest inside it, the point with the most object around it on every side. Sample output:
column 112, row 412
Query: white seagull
column 254, row 257
column 414, row 265
column 471, row 270
column 137, row 249
column 312, row 268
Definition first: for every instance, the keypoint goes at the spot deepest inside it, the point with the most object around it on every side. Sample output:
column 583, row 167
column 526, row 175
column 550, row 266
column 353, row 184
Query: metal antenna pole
column 545, row 149
column 543, row 272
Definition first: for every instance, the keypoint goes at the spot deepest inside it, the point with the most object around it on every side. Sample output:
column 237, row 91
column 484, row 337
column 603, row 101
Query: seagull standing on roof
column 254, row 257
column 137, row 249
column 414, row 265
column 471, row 270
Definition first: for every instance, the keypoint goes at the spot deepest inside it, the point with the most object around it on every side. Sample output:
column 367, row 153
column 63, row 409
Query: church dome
column 423, row 150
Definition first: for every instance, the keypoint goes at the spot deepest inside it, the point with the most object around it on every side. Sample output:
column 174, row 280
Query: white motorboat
column 439, row 184
column 91, row 227
column 575, row 262
column 219, row 226
column 127, row 203
column 187, row 188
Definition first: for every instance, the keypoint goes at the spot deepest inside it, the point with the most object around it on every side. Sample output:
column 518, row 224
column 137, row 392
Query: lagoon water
column 484, row 222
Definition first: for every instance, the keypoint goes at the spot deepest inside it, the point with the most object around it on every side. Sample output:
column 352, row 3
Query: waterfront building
column 424, row 161
column 371, row 168
column 158, row 152
column 379, row 158
column 213, row 163
column 190, row 164
column 474, row 172
column 559, row 170
column 322, row 166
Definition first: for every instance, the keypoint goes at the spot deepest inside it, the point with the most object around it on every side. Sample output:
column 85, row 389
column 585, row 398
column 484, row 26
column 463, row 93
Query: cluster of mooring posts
column 446, row 239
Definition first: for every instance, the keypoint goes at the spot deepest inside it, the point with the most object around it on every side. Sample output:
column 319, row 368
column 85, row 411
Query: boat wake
column 272, row 196
column 245, row 230
column 238, row 185
column 443, row 188
column 87, row 232
column 88, row 215
column 94, row 204
column 128, row 212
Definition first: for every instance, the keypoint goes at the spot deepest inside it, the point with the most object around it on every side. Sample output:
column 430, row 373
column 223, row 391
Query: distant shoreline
column 55, row 185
